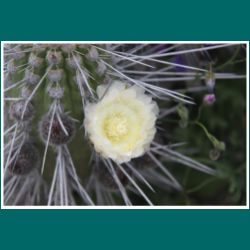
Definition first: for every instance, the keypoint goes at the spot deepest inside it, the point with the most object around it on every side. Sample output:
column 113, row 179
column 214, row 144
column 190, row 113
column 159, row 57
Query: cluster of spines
column 26, row 68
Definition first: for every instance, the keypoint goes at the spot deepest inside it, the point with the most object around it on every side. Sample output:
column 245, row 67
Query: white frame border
column 130, row 207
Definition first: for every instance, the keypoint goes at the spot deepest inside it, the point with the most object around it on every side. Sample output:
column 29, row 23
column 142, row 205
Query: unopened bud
column 209, row 99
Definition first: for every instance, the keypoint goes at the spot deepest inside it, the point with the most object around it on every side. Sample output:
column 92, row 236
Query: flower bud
column 209, row 99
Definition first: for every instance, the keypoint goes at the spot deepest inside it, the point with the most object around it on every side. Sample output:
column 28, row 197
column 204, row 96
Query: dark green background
column 124, row 229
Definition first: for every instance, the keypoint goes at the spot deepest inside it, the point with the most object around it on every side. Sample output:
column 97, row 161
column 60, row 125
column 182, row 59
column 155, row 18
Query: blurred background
column 226, row 121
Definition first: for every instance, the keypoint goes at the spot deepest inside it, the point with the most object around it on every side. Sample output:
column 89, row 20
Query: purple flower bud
column 209, row 99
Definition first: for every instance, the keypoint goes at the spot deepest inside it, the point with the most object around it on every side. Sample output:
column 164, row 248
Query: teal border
column 124, row 229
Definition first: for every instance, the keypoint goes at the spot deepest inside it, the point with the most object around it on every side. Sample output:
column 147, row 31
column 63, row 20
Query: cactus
column 75, row 115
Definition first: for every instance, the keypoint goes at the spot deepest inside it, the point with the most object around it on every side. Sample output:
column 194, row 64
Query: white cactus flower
column 121, row 125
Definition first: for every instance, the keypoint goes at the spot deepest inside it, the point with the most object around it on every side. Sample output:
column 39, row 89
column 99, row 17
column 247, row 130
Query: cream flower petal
column 121, row 125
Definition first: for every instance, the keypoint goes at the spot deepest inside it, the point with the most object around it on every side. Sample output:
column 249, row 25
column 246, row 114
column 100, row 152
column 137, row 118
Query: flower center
column 116, row 127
